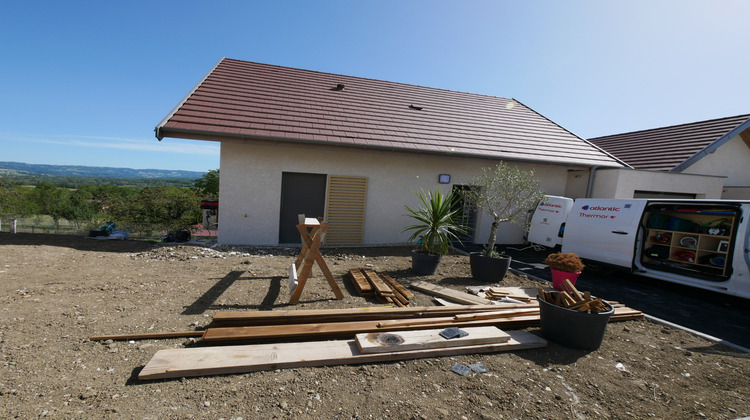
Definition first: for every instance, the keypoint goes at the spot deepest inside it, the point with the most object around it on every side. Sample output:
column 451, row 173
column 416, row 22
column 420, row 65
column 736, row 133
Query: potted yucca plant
column 438, row 225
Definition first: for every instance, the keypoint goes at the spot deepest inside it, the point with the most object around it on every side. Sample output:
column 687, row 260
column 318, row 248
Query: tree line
column 134, row 209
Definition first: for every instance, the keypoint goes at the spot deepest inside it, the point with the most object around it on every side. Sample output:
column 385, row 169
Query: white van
column 700, row 243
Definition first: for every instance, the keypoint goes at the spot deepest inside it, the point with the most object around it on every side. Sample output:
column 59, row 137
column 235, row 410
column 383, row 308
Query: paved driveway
column 718, row 315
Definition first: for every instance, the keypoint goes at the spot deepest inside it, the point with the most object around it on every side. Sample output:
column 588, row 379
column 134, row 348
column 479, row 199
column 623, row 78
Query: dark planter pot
column 574, row 329
column 424, row 264
column 488, row 269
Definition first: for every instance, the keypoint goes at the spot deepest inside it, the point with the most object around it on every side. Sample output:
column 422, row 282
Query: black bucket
column 424, row 264
column 574, row 329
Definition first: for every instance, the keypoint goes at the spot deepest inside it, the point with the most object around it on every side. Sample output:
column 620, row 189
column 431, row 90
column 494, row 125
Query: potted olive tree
column 437, row 226
column 506, row 193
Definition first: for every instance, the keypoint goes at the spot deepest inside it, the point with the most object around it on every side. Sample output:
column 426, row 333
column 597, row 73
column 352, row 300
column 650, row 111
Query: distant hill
column 34, row 170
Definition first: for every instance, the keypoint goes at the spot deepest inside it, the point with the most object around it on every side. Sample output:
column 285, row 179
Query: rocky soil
column 57, row 291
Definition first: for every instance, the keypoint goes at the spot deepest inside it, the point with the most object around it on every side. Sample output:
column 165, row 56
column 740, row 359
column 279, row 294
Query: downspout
column 590, row 185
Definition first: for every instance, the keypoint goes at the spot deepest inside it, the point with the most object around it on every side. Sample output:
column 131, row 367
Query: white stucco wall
column 622, row 183
column 731, row 160
column 251, row 187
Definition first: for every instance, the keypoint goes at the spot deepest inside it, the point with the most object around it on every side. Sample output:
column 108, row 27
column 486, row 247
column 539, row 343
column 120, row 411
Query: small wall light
column 444, row 179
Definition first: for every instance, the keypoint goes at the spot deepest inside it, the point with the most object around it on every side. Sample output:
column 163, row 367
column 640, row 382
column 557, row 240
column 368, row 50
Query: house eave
column 193, row 134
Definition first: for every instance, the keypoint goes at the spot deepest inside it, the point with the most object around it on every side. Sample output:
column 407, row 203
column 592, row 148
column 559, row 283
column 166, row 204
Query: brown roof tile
column 670, row 148
column 240, row 99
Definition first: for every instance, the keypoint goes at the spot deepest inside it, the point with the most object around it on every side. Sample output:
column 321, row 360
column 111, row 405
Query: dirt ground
column 57, row 291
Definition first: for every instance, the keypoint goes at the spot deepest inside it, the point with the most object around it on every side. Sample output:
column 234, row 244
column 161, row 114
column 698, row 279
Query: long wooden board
column 147, row 336
column 426, row 339
column 454, row 295
column 203, row 361
column 312, row 331
column 299, row 316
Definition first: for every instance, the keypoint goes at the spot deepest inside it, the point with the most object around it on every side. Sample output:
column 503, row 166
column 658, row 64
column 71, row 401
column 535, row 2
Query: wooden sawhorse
column 310, row 253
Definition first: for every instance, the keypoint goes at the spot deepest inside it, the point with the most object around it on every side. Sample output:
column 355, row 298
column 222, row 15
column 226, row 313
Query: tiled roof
column 671, row 148
column 245, row 100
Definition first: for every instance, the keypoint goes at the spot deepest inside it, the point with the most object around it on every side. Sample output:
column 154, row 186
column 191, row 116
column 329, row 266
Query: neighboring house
column 354, row 150
column 719, row 147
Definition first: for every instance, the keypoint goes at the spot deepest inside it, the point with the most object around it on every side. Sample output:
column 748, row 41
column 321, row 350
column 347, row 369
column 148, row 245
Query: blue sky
column 86, row 82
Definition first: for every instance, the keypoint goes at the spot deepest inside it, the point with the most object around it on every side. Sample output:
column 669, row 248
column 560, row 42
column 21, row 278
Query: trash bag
column 182, row 235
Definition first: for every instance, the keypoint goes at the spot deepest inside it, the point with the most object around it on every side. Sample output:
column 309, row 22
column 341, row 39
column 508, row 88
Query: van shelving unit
column 690, row 239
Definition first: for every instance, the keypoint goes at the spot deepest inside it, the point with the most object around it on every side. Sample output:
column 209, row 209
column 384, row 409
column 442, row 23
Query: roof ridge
column 367, row 78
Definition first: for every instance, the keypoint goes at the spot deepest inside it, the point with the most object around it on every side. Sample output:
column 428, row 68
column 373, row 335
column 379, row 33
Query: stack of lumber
column 302, row 338
column 574, row 299
column 313, row 324
column 257, row 326
column 498, row 293
column 383, row 287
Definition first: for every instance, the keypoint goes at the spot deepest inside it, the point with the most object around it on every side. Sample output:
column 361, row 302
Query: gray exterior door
column 301, row 193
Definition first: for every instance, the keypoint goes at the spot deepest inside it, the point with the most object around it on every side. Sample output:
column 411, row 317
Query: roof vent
column 340, row 86
column 418, row 108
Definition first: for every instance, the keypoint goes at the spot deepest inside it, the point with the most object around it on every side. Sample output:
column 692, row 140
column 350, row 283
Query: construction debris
column 450, row 294
column 504, row 294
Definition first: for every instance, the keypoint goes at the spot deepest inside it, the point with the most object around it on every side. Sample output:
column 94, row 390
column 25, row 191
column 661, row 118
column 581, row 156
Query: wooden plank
column 400, row 298
column 299, row 316
column 396, row 301
column 377, row 283
column 577, row 296
column 396, row 286
column 364, row 288
column 459, row 319
column 203, row 361
column 451, row 294
column 496, row 314
column 426, row 339
column 147, row 336
column 348, row 329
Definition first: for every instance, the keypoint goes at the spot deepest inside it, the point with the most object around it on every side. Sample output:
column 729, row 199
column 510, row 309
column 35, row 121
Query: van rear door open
column 604, row 230
column 548, row 219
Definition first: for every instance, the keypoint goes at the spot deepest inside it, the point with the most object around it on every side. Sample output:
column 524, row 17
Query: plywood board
column 426, row 339
column 222, row 360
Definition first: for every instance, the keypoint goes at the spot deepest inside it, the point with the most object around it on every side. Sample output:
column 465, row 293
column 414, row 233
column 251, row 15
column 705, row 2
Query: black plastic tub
column 574, row 329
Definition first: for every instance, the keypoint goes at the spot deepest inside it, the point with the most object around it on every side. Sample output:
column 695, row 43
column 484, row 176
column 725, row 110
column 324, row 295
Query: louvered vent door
column 347, row 196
